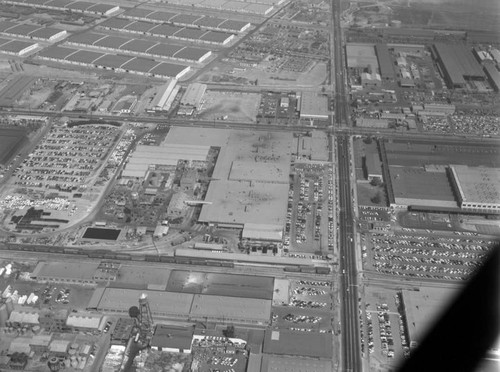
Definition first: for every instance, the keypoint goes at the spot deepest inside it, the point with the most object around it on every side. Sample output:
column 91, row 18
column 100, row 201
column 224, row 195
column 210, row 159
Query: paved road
column 351, row 353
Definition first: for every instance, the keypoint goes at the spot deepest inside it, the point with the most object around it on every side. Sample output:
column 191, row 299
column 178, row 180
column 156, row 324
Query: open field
column 231, row 106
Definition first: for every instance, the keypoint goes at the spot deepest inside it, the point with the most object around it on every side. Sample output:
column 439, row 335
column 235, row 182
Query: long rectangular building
column 385, row 64
column 170, row 31
column 205, row 22
column 457, row 64
column 140, row 47
column 146, row 156
column 116, row 63
column 181, row 306
column 69, row 5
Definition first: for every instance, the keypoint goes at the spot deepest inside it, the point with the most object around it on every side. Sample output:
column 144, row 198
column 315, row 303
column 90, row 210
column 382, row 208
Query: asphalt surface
column 351, row 351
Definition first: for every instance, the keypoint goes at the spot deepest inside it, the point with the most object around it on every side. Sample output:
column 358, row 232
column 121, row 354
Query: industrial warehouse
column 457, row 64
column 206, row 22
column 69, row 5
column 116, row 63
column 260, row 7
column 168, row 31
column 17, row 47
column 30, row 31
column 140, row 47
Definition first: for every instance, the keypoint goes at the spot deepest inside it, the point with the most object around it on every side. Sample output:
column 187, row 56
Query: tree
column 376, row 199
column 229, row 331
column 376, row 181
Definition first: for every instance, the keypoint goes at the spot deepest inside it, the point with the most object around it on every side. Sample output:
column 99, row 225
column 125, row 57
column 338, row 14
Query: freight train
column 110, row 255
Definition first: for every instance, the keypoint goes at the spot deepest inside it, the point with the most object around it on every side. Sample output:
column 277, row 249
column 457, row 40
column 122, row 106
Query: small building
column 59, row 347
column 20, row 345
column 160, row 231
column 193, row 95
column 107, row 271
column 262, row 233
column 18, row 361
column 40, row 343
column 21, row 318
column 284, row 102
column 84, row 321
column 372, row 80
column 212, row 247
column 172, row 339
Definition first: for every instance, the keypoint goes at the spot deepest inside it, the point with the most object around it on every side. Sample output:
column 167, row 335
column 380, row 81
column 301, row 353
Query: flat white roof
column 86, row 320
column 478, row 184
column 236, row 202
column 261, row 231
column 423, row 308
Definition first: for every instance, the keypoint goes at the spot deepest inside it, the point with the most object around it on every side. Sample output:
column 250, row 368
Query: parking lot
column 383, row 338
column 308, row 310
column 310, row 224
column 418, row 255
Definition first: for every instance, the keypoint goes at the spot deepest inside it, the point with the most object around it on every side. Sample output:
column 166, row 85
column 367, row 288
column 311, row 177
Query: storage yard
column 42, row 183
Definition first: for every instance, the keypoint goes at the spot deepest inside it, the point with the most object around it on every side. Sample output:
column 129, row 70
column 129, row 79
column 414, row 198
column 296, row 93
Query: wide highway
column 351, row 353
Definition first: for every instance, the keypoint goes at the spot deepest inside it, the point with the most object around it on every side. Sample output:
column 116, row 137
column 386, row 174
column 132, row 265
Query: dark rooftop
column 139, row 13
column 80, row 5
column 185, row 19
column 285, row 342
column 84, row 56
column 116, row 23
column 111, row 42
column 22, row 29
column 191, row 53
column 161, row 16
column 140, row 26
column 140, row 64
column 136, row 45
column 87, row 38
column 166, row 50
column 112, row 60
column 168, row 69
column 56, row 52
column 209, row 22
column 216, row 36
column 165, row 30
column 190, row 33
column 172, row 337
